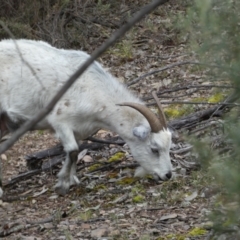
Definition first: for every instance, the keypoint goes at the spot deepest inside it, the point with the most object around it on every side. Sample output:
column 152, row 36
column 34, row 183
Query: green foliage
column 123, row 50
column 68, row 235
column 85, row 216
column 102, row 7
column 213, row 30
column 138, row 188
column 40, row 132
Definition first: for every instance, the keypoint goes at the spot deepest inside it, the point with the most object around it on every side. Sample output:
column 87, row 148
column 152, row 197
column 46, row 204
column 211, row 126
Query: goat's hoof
column 75, row 180
column 1, row 192
column 62, row 187
column 61, row 190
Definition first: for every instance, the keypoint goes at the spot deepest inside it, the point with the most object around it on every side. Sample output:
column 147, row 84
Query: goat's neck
column 123, row 121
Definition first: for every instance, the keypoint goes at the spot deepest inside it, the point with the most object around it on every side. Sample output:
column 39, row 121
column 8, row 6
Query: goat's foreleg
column 1, row 191
column 67, row 176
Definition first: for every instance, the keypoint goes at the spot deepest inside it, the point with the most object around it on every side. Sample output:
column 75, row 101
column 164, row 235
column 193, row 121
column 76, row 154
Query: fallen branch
column 167, row 57
column 6, row 230
column 58, row 150
column 116, row 140
column 199, row 116
column 202, row 103
column 160, row 94
column 176, row 89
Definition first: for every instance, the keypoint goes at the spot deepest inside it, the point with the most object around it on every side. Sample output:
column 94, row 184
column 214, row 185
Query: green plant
column 213, row 28
column 85, row 215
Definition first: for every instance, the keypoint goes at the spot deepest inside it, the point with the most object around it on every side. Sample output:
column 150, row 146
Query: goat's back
column 33, row 71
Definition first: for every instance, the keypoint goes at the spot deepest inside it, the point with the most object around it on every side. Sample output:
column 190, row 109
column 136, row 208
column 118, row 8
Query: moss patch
column 217, row 97
column 126, row 181
column 196, row 232
column 100, row 186
column 116, row 157
column 94, row 167
column 138, row 199
column 112, row 175
column 176, row 111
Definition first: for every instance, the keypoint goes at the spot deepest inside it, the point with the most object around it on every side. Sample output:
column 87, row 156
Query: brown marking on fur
column 59, row 111
column 67, row 103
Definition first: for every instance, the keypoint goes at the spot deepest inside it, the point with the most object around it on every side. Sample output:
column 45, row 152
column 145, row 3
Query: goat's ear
column 141, row 132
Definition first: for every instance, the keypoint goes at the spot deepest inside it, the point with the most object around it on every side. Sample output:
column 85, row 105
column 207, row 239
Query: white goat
column 96, row 100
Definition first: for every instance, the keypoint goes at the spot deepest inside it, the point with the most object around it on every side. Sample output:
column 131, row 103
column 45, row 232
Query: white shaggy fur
column 90, row 104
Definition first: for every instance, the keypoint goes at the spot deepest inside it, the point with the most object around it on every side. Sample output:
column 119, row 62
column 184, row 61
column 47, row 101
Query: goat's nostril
column 169, row 175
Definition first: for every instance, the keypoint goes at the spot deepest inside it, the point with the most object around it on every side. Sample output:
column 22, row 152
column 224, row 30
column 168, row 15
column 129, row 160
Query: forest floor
column 110, row 203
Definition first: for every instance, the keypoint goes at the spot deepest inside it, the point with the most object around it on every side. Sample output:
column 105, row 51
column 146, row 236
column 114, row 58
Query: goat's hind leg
column 1, row 191
column 67, row 176
column 3, row 132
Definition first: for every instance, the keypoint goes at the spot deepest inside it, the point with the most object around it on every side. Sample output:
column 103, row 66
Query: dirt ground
column 109, row 203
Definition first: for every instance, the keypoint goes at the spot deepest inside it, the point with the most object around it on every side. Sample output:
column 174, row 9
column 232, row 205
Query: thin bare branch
column 176, row 89
column 202, row 103
column 159, row 70
column 171, row 66
column 167, row 57
column 112, row 39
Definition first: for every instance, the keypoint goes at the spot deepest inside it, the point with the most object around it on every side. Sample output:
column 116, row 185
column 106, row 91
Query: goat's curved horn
column 162, row 117
column 153, row 121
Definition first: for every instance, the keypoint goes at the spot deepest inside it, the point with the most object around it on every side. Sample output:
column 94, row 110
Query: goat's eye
column 155, row 151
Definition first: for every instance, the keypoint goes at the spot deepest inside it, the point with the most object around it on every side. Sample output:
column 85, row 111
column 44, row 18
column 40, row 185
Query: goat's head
column 151, row 145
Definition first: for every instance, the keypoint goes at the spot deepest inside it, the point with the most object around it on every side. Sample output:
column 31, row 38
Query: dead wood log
column 58, row 149
column 202, row 115
column 34, row 161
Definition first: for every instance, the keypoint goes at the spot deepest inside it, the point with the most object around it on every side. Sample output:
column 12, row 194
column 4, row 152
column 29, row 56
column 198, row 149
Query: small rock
column 183, row 171
column 97, row 233
column 170, row 216
column 48, row 225
column 30, row 238
column 191, row 197
column 87, row 159
column 85, row 226
column 115, row 232
column 3, row 157
column 62, row 227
